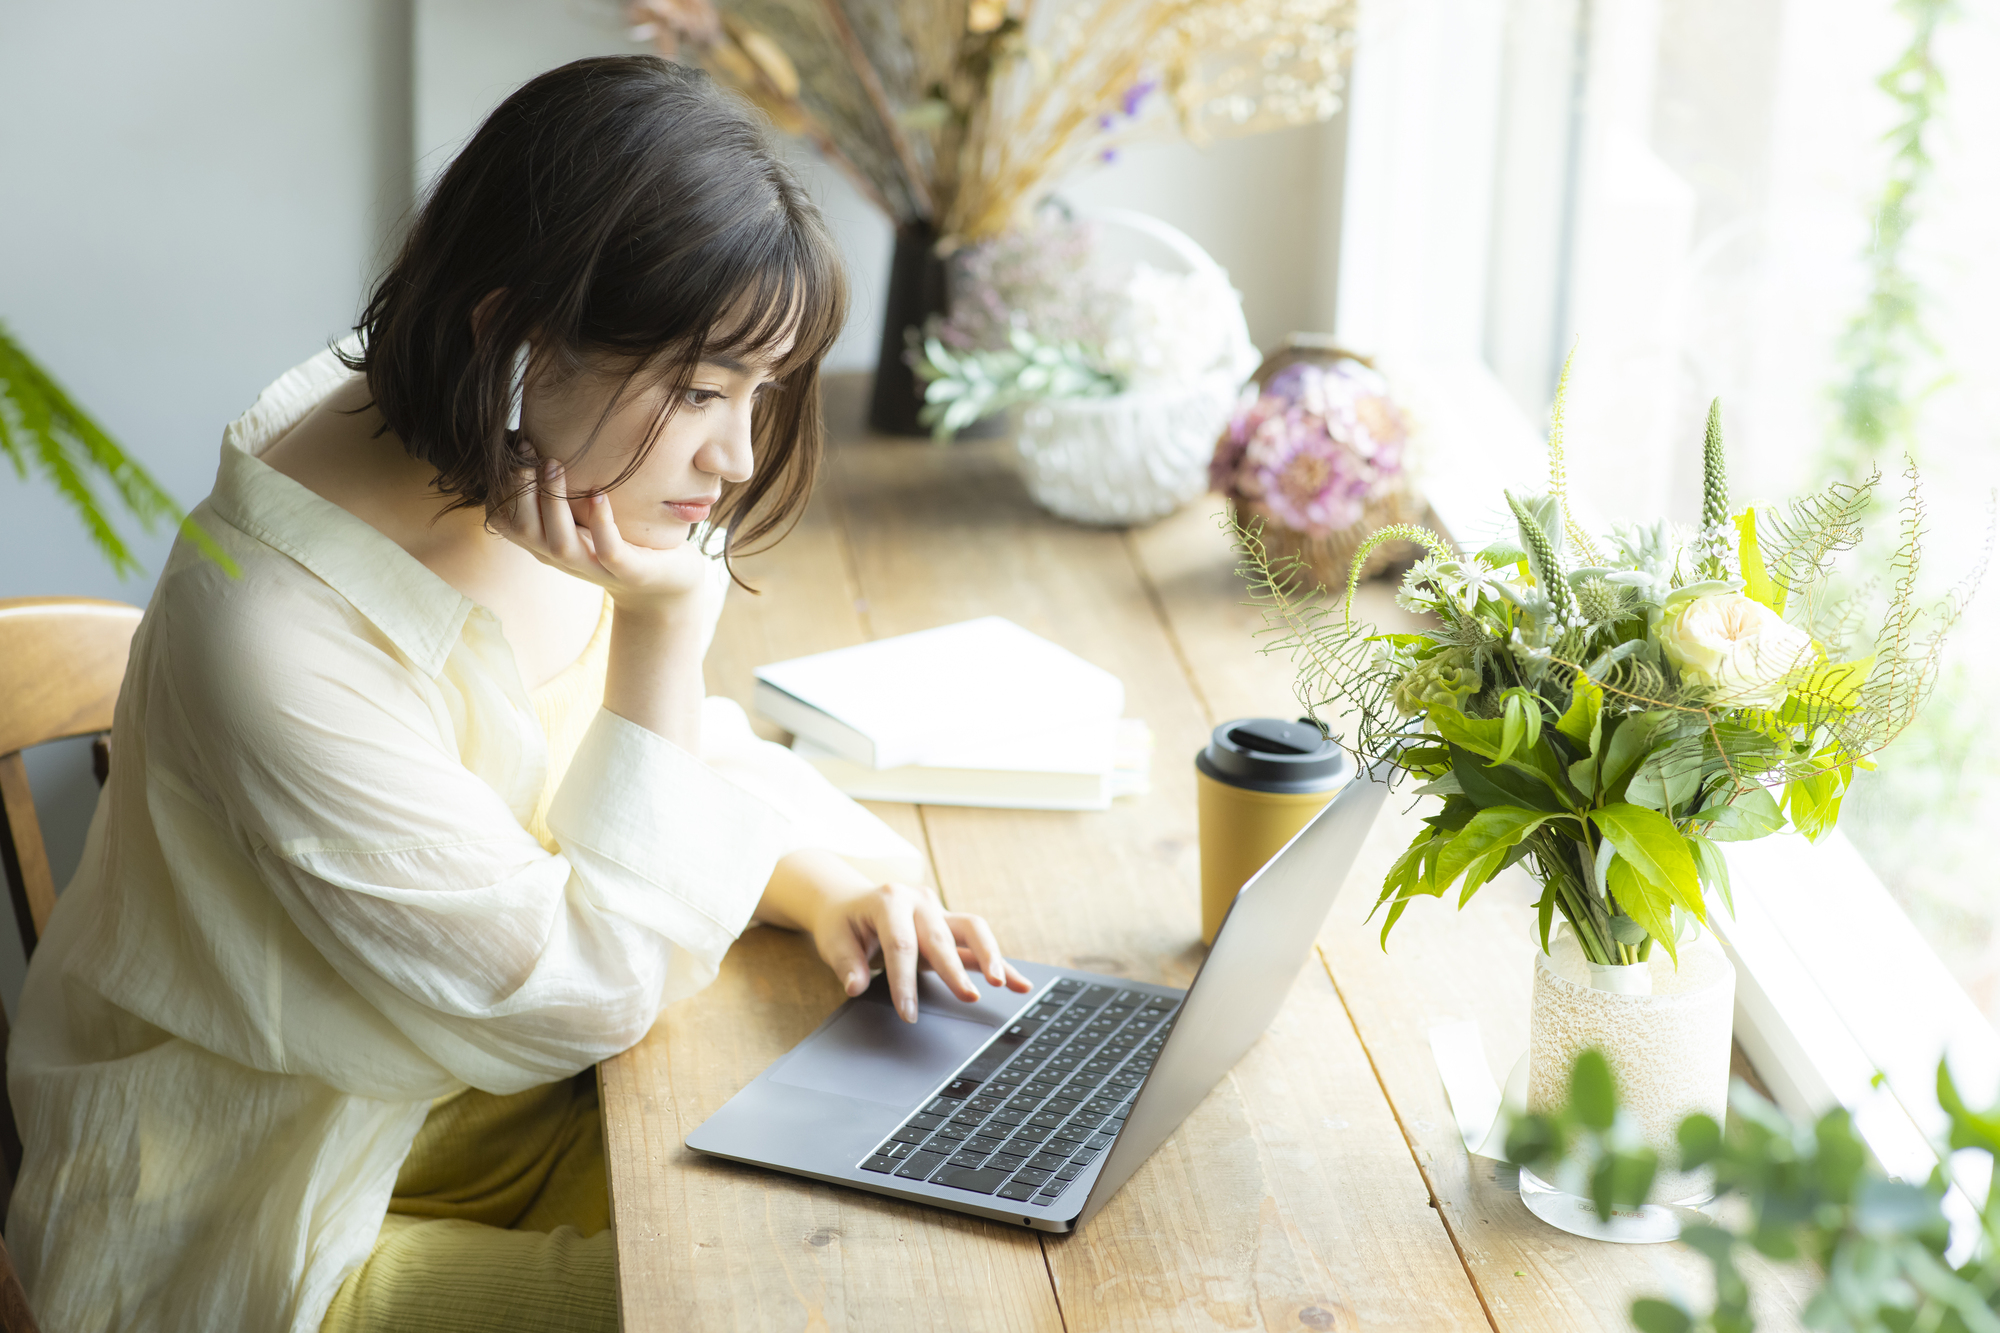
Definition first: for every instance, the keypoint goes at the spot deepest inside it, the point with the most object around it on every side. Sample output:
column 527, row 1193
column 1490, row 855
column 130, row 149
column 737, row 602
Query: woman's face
column 705, row 442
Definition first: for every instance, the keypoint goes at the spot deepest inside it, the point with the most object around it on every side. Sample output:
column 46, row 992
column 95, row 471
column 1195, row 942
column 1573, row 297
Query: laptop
column 1032, row 1109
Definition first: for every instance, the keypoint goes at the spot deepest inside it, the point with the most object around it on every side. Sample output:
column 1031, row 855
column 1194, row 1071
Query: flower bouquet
column 1317, row 453
column 1606, row 713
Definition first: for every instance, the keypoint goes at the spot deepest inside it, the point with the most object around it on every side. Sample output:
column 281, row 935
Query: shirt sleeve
column 344, row 777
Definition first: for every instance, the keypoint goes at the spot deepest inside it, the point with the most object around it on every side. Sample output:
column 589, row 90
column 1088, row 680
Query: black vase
column 918, row 289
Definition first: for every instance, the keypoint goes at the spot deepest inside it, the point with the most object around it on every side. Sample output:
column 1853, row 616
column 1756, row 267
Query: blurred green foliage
column 1810, row 1191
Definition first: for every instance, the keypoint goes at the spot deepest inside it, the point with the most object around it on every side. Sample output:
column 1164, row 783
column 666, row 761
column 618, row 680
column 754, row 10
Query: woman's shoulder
column 246, row 630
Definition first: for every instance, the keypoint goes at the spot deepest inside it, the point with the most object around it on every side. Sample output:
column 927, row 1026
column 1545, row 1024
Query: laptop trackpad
column 867, row 1052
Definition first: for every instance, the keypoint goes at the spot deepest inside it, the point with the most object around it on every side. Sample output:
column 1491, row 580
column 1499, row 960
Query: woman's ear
column 482, row 314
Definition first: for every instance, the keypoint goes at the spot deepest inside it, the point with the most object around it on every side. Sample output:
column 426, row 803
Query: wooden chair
column 62, row 660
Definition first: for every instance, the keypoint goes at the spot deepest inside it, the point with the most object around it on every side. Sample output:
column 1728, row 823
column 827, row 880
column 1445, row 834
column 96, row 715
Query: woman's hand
column 852, row 919
column 578, row 535
column 664, row 602
column 911, row 928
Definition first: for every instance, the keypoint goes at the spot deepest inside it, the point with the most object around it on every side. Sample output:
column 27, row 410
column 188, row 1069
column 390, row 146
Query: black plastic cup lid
column 1270, row 754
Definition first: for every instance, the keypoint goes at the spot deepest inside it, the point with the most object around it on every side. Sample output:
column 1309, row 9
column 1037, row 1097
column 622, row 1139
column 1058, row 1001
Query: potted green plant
column 43, row 431
column 1606, row 713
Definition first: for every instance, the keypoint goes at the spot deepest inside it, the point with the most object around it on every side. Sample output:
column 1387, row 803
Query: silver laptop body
column 999, row 1108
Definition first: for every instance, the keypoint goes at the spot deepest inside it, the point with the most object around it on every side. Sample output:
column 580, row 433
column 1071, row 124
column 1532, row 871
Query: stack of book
column 979, row 713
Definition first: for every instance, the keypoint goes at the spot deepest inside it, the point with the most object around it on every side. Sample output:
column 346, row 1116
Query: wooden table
column 1322, row 1184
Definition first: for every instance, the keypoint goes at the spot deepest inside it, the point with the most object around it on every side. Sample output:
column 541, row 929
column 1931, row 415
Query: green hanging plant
column 43, row 432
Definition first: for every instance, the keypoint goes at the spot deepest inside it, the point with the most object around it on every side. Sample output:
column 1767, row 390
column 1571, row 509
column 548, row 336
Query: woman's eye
column 701, row 397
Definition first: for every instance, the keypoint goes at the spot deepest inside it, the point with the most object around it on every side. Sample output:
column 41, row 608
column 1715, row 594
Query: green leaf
column 1488, row 785
column 1593, row 1094
column 1585, row 714
column 1814, row 802
column 1667, row 780
column 1520, row 723
column 1648, row 840
column 1482, row 736
column 1645, row 903
column 1650, row 1315
column 1757, row 584
column 1969, row 1128
column 1700, row 1140
column 1637, row 735
column 1752, row 814
column 1712, row 869
column 1479, row 848
column 1627, row 931
column 1410, row 876
column 1513, row 729
column 1622, row 1180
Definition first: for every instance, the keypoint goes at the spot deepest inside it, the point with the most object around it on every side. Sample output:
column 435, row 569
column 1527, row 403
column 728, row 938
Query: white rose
column 1739, row 649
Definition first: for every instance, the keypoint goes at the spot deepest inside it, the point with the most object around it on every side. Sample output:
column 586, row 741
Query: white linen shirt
column 310, row 904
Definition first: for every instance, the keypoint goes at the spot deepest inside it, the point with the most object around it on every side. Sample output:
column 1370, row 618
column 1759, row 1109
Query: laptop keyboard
column 1041, row 1102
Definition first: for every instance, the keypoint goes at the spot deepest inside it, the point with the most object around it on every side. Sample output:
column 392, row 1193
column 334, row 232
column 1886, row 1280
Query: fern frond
column 1394, row 532
column 1333, row 657
column 42, row 430
column 1800, row 542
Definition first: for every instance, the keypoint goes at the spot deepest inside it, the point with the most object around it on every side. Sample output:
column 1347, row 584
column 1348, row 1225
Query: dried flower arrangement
column 955, row 117
column 959, row 114
column 1317, row 454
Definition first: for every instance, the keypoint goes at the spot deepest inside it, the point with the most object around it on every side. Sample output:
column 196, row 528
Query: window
column 1682, row 192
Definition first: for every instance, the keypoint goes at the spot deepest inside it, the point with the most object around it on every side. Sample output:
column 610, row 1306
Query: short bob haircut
column 628, row 217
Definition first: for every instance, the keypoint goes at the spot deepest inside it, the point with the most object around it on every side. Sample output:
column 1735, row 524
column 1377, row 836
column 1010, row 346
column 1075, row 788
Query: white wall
column 1267, row 208
column 195, row 196
column 191, row 198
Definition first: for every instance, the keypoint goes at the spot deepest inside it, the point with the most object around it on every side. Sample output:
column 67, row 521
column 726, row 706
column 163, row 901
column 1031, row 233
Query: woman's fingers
column 558, row 523
column 524, row 515
column 913, row 931
column 898, row 936
column 940, row 949
column 846, row 952
column 607, row 544
column 977, row 937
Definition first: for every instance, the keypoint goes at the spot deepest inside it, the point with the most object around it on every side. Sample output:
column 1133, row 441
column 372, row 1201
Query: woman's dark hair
column 624, row 213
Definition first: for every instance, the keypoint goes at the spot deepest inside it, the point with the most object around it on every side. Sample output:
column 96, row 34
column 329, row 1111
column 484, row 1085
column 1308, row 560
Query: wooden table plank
column 706, row 1244
column 1441, row 966
column 1289, row 1199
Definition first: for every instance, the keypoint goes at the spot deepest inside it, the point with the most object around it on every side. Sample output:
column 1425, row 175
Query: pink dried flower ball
column 1313, row 447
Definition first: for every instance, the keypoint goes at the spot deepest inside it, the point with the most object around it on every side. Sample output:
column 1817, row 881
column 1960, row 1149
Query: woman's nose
column 727, row 453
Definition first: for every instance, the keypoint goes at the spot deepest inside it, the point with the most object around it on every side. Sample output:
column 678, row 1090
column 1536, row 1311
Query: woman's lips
column 690, row 511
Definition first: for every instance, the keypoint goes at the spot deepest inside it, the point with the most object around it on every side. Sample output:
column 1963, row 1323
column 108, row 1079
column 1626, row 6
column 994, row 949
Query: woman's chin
column 656, row 536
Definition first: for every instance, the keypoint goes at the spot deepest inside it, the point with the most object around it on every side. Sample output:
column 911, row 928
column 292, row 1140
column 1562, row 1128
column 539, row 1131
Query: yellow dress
column 501, row 1218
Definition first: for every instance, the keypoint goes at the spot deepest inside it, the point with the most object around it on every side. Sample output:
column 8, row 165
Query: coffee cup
column 1258, row 781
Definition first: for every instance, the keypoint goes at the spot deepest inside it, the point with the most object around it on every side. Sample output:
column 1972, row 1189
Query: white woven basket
column 1137, row 456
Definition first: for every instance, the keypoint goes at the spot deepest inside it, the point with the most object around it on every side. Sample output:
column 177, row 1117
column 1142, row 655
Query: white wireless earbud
column 517, row 386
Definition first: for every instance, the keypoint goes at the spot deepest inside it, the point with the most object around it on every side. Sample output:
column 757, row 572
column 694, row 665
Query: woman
column 407, row 825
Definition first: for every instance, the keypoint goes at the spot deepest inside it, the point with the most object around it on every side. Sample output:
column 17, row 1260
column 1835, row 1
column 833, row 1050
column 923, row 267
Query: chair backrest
column 62, row 660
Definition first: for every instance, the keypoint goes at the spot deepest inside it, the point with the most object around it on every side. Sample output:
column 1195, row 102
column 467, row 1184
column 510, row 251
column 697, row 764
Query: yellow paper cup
column 1258, row 782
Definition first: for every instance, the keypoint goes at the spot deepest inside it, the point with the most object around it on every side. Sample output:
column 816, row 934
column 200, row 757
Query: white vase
column 1130, row 458
column 1665, row 1032
column 1138, row 456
